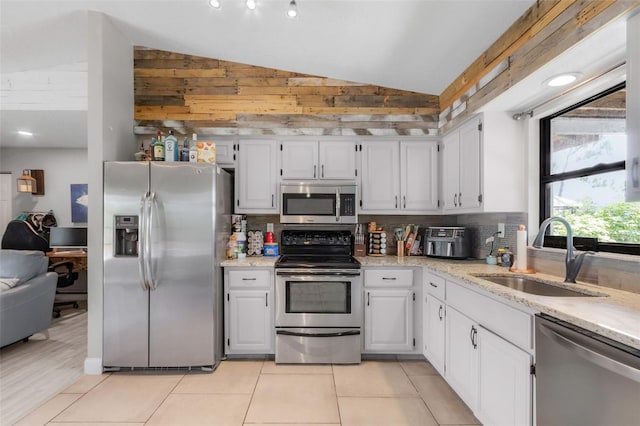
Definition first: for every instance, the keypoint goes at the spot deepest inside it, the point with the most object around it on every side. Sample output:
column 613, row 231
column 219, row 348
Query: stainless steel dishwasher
column 583, row 378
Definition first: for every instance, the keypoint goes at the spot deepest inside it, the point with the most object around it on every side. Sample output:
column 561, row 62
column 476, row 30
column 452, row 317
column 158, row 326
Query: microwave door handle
column 337, row 205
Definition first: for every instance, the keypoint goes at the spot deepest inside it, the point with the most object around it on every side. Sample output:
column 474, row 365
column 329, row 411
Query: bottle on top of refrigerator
column 158, row 149
column 184, row 151
column 152, row 149
column 193, row 149
column 171, row 147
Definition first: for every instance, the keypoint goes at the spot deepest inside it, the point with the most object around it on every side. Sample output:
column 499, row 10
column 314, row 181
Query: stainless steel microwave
column 317, row 202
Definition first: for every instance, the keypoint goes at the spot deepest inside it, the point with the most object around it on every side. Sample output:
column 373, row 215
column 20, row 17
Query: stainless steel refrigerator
column 165, row 230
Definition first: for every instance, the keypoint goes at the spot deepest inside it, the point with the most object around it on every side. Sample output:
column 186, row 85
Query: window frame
column 547, row 178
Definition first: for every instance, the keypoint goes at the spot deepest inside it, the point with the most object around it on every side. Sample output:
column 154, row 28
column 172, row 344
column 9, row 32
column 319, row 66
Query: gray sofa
column 27, row 291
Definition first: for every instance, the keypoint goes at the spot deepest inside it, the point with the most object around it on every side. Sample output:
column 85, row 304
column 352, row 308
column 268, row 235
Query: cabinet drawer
column 511, row 324
column 388, row 277
column 434, row 285
column 248, row 279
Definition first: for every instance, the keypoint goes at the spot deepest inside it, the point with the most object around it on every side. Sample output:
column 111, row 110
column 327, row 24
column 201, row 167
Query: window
column 582, row 174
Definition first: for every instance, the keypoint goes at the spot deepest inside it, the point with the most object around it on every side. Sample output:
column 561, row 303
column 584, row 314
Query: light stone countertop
column 252, row 261
column 616, row 316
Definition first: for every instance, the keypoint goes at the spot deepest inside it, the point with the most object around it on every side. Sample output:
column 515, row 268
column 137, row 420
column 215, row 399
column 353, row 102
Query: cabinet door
column 470, row 179
column 256, row 179
column 461, row 356
column 504, row 395
column 299, row 159
column 225, row 152
column 380, row 185
column 433, row 331
column 451, row 170
column 250, row 327
column 337, row 160
column 388, row 320
column 419, row 175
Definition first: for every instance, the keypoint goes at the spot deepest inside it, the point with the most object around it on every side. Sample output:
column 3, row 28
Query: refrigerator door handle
column 151, row 205
column 143, row 243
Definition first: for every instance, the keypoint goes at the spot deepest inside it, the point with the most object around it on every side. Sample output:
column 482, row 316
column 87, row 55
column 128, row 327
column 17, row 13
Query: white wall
column 62, row 167
column 110, row 136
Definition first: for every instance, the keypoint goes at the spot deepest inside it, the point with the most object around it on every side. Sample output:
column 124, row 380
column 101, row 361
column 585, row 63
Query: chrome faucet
column 573, row 263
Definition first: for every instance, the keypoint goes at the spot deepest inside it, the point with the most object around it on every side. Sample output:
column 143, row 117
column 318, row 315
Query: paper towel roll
column 521, row 248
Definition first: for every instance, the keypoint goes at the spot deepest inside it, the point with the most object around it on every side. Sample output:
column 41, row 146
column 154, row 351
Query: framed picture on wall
column 79, row 202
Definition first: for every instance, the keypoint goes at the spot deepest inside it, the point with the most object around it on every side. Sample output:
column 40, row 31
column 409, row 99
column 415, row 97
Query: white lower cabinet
column 433, row 329
column 483, row 349
column 249, row 327
column 504, row 382
column 462, row 356
column 388, row 318
column 433, row 320
column 389, row 295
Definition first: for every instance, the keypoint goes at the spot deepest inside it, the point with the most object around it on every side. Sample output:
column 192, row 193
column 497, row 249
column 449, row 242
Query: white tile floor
column 240, row 393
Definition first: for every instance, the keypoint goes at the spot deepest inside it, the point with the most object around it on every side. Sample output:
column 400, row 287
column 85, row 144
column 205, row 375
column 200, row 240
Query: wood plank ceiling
column 215, row 97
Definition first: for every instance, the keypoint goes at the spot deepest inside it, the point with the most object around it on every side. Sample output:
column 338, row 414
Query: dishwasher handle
column 591, row 354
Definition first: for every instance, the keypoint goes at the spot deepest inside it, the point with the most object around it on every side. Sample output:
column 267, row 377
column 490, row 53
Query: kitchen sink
column 537, row 287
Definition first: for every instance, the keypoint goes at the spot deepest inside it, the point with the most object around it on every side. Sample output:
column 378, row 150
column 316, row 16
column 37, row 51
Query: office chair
column 20, row 235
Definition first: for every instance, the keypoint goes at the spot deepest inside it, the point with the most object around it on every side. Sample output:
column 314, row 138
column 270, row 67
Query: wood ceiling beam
column 541, row 14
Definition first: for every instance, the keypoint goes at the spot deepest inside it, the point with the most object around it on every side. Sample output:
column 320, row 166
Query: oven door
column 318, row 298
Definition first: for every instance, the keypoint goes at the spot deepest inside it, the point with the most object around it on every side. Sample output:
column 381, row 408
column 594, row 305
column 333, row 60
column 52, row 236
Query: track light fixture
column 520, row 115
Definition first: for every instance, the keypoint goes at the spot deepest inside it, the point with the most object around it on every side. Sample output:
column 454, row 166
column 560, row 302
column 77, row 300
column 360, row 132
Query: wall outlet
column 501, row 230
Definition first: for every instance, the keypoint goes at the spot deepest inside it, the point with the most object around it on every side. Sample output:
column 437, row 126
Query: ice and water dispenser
column 126, row 228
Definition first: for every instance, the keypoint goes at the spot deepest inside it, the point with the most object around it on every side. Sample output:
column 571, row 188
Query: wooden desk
column 78, row 258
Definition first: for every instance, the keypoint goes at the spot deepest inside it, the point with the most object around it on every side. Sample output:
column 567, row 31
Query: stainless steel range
column 318, row 299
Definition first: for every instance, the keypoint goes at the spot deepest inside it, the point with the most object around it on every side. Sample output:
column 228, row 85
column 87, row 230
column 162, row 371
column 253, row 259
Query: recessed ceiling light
column 24, row 133
column 293, row 9
column 562, row 79
column 251, row 4
column 214, row 3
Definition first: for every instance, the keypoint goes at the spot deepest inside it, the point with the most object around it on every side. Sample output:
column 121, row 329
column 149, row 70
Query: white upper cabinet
column 399, row 177
column 256, row 179
column 380, row 180
column 483, row 165
column 304, row 160
column 337, row 160
column 419, row 175
column 299, row 160
column 225, row 152
column 461, row 163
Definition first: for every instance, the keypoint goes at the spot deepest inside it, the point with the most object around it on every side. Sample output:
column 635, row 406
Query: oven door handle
column 310, row 272
column 336, row 334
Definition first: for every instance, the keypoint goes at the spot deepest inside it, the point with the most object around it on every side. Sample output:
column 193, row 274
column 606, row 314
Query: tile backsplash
column 480, row 226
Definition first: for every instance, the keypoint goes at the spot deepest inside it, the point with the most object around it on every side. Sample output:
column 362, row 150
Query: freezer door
column 181, row 312
column 126, row 303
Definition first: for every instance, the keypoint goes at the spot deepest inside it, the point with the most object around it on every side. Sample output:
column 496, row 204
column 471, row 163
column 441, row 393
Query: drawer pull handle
column 433, row 285
column 440, row 313
column 389, row 278
column 248, row 279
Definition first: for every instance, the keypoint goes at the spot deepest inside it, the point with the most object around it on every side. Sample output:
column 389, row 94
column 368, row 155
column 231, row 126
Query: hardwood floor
column 33, row 372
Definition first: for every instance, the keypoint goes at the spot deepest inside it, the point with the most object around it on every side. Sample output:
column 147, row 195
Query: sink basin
column 532, row 286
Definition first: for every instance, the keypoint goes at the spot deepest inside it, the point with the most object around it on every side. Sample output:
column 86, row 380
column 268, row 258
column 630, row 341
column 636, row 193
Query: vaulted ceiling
column 417, row 45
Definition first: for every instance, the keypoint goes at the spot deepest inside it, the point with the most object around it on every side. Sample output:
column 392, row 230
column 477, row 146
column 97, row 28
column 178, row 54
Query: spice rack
column 377, row 243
